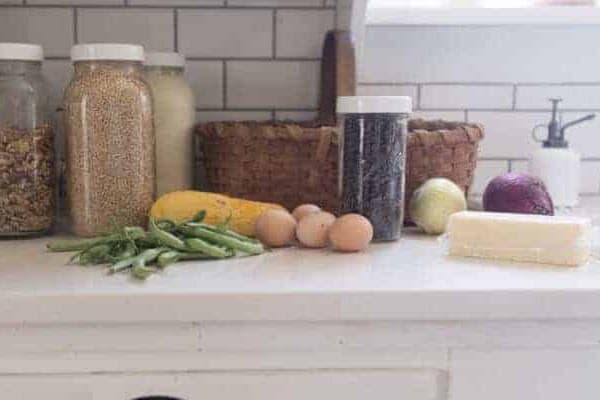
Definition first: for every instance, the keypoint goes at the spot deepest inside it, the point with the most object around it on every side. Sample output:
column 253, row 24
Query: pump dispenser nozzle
column 556, row 132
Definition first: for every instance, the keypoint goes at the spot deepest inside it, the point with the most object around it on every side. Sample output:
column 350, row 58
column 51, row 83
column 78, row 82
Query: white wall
column 497, row 76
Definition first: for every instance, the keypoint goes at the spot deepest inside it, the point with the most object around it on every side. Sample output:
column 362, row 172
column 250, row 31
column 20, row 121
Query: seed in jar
column 313, row 230
column 303, row 210
column 27, row 180
column 110, row 147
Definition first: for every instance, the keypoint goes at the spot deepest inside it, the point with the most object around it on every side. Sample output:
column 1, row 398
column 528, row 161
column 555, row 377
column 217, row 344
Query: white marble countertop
column 411, row 279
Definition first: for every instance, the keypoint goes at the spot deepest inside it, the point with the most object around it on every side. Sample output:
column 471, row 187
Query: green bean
column 65, row 245
column 225, row 232
column 142, row 272
column 125, row 250
column 167, row 258
column 193, row 256
column 95, row 255
column 144, row 257
column 199, row 217
column 225, row 240
column 166, row 238
column 196, row 245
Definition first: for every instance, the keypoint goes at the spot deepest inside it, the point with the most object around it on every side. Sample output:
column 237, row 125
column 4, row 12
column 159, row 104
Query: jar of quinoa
column 110, row 139
column 27, row 174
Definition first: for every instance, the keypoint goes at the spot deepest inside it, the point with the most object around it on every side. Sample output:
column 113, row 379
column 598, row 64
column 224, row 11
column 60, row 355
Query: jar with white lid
column 110, row 139
column 27, row 172
column 174, row 116
column 372, row 160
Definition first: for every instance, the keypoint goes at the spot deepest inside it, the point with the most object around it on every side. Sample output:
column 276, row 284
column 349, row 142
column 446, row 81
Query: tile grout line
column 274, row 34
column 514, row 97
column 75, row 25
column 176, row 29
column 224, row 73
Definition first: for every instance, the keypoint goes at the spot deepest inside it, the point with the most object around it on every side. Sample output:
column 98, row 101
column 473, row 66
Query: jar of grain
column 110, row 139
column 27, row 174
column 174, row 112
column 372, row 160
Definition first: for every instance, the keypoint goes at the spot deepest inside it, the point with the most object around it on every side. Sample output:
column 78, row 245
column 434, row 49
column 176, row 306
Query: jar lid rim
column 165, row 59
column 21, row 52
column 107, row 52
column 374, row 104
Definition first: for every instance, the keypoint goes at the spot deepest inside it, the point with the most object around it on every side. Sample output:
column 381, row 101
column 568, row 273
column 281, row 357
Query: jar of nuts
column 27, row 174
column 110, row 139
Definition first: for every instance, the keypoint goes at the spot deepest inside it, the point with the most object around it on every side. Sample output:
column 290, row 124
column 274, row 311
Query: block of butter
column 520, row 237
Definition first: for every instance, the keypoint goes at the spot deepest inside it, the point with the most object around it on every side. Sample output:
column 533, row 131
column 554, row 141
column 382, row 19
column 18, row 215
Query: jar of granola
column 110, row 139
column 27, row 174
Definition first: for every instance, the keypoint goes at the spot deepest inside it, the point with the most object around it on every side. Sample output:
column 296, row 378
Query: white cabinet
column 552, row 374
column 261, row 385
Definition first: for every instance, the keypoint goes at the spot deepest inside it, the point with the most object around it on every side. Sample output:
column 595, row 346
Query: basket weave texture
column 292, row 163
column 285, row 163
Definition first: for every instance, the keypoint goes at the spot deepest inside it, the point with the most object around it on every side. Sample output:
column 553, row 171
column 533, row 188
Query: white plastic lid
column 21, row 52
column 107, row 52
column 165, row 60
column 374, row 104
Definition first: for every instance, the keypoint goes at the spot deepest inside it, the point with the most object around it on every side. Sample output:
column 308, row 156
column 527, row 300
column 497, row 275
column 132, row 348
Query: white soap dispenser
column 557, row 165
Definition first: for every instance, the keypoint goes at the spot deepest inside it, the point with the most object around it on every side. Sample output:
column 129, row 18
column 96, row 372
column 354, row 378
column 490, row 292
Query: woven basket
column 441, row 149
column 284, row 163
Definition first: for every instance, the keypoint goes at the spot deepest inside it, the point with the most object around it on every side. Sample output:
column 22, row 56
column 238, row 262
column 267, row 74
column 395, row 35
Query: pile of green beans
column 143, row 253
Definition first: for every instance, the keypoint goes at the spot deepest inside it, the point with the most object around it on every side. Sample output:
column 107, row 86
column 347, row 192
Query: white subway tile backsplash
column 206, row 79
column 458, row 116
column 226, row 33
column 300, row 33
column 149, row 27
column 59, row 72
column 389, row 90
column 173, row 3
column 507, row 134
column 574, row 96
column 275, row 3
column 480, row 54
column 77, row 2
column 487, row 170
column 295, row 115
column 30, row 25
column 272, row 84
column 473, row 97
column 584, row 138
column 210, row 116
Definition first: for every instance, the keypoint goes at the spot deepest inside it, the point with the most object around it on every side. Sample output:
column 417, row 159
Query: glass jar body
column 110, row 146
column 27, row 170
column 174, row 115
column 372, row 164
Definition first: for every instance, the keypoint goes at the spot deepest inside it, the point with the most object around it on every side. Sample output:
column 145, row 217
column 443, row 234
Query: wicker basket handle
column 338, row 73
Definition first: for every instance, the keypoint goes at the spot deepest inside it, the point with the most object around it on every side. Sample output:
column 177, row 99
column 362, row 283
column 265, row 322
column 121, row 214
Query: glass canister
column 174, row 116
column 372, row 160
column 110, row 139
column 27, row 172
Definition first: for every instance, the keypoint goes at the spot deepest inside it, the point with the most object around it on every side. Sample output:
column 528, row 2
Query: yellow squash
column 181, row 206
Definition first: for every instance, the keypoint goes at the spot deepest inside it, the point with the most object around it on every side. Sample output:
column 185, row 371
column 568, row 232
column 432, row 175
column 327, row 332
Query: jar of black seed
column 372, row 160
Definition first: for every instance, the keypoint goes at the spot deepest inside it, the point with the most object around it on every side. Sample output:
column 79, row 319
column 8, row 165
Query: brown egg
column 275, row 228
column 350, row 233
column 303, row 210
column 312, row 230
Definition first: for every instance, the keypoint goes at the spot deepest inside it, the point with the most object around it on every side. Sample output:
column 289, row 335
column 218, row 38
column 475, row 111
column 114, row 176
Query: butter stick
column 521, row 237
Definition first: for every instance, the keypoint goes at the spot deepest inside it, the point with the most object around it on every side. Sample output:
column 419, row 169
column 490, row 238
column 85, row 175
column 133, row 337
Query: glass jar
column 174, row 115
column 110, row 139
column 372, row 160
column 27, row 172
